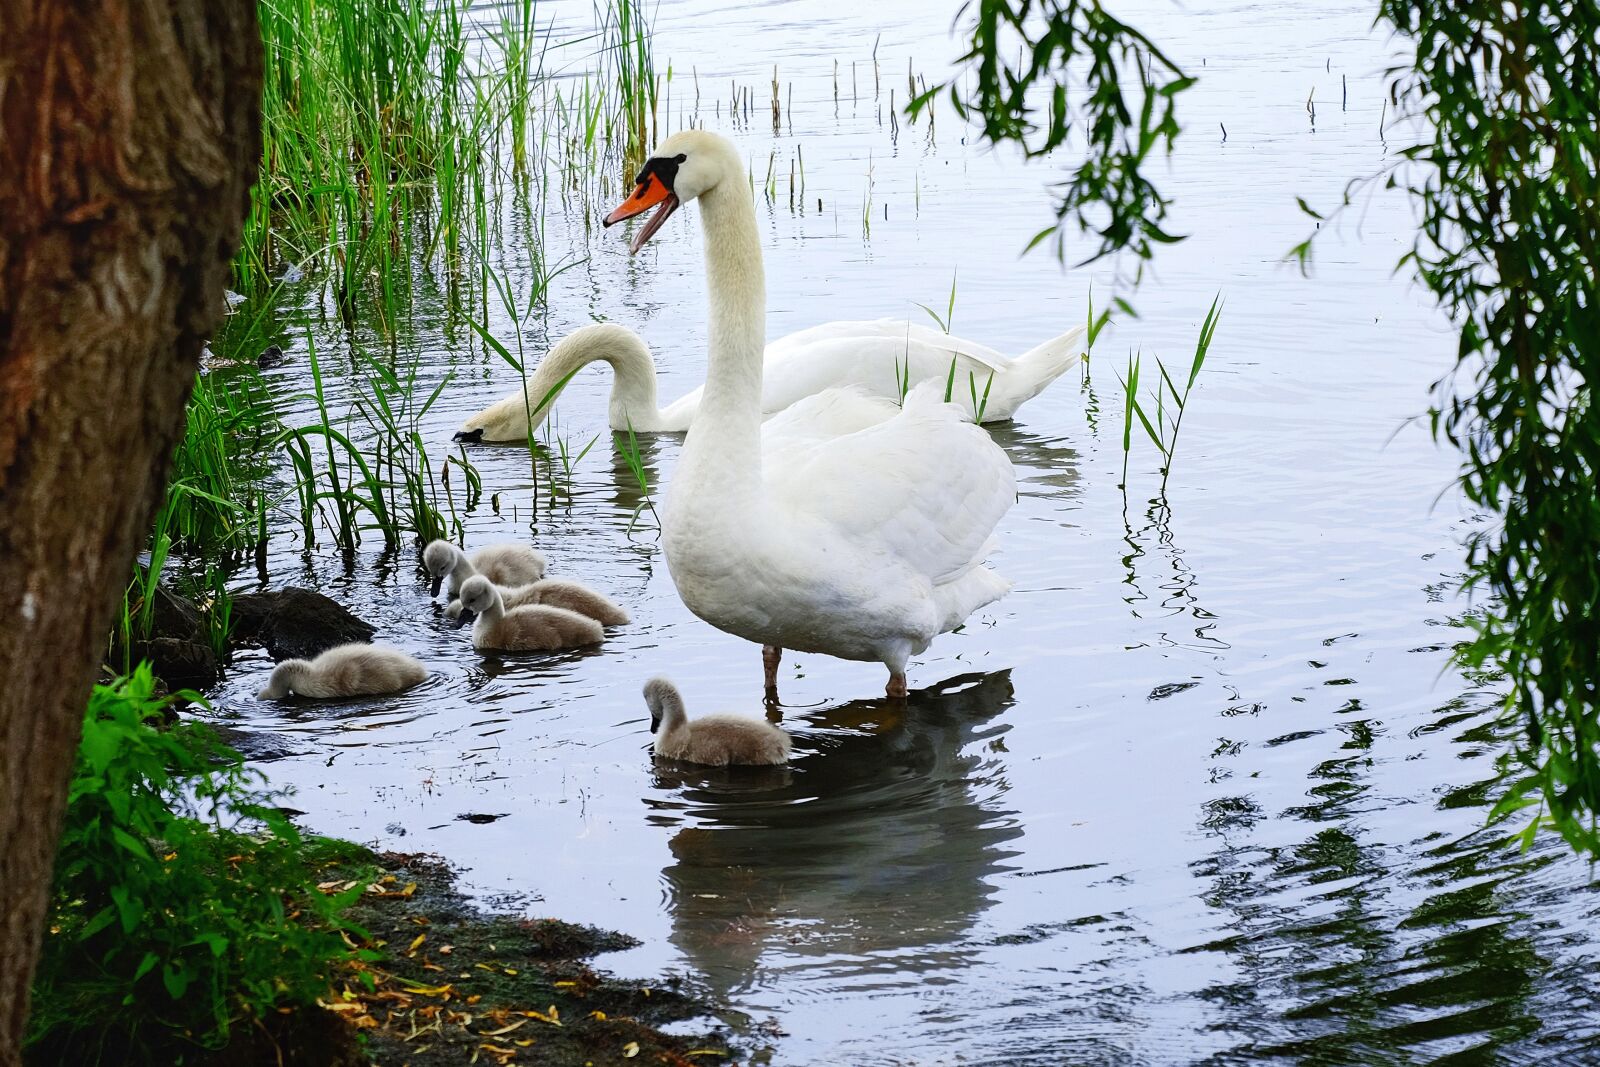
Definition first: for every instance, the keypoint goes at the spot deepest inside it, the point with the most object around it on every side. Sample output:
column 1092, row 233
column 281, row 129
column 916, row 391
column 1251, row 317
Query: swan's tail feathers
column 958, row 599
column 1030, row 373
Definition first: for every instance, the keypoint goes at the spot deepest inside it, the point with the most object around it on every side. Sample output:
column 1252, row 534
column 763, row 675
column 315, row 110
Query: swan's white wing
column 793, row 433
column 878, row 364
column 877, row 356
column 925, row 487
column 879, row 330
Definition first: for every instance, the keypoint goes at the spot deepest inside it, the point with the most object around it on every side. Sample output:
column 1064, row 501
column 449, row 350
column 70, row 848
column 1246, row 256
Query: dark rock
column 260, row 746
column 295, row 623
column 271, row 356
column 176, row 617
column 182, row 663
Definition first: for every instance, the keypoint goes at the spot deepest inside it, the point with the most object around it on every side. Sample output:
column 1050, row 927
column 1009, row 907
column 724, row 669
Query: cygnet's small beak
column 646, row 195
column 464, row 619
column 438, row 580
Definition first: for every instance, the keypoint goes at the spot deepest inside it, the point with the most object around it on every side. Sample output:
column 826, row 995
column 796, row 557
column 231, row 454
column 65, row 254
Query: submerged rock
column 180, row 663
column 178, row 648
column 295, row 623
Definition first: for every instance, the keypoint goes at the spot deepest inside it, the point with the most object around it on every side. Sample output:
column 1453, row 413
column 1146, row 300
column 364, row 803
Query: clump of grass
column 348, row 489
column 1167, row 401
column 626, row 32
column 382, row 122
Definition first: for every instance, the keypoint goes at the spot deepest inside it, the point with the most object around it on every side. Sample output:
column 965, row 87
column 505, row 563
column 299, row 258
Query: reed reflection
column 876, row 847
column 1340, row 961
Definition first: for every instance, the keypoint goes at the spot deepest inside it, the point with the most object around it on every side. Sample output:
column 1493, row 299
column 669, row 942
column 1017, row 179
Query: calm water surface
column 1203, row 789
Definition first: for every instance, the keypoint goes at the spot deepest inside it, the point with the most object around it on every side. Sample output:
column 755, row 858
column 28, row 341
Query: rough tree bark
column 129, row 137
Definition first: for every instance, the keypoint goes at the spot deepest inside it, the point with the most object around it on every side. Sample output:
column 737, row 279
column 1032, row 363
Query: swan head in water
column 477, row 595
column 440, row 557
column 686, row 165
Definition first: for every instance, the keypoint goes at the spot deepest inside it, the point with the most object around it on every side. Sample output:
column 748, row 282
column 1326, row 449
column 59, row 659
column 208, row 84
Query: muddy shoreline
column 459, row 984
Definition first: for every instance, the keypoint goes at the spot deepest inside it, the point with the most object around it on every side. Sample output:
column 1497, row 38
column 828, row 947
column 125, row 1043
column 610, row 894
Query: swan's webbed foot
column 771, row 655
column 897, row 685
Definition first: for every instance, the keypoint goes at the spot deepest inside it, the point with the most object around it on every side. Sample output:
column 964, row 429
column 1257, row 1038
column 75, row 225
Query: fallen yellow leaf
column 430, row 990
column 506, row 1029
column 630, row 1050
column 419, row 940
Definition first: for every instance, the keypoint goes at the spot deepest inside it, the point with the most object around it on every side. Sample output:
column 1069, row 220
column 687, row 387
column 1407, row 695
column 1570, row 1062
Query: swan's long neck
column 721, row 457
column 496, row 608
column 669, row 710
column 633, row 385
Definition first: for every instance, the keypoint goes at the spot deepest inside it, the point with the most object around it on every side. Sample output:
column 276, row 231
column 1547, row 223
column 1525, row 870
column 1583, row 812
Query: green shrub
column 184, row 904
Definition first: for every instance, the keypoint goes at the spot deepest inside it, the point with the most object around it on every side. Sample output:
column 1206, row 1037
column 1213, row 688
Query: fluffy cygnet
column 345, row 671
column 716, row 740
column 529, row 629
column 558, row 593
column 504, row 564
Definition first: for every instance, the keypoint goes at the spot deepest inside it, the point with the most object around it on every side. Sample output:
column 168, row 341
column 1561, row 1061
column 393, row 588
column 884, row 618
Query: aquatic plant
column 626, row 33
column 337, row 481
column 1167, row 402
column 628, row 447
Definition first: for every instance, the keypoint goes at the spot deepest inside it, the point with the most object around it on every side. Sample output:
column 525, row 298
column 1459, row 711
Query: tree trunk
column 129, row 138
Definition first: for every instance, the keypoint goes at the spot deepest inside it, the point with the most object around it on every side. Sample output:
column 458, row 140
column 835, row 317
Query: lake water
column 1205, row 788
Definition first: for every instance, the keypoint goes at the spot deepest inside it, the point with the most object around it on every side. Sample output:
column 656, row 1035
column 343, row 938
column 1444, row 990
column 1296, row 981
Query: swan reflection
column 877, row 843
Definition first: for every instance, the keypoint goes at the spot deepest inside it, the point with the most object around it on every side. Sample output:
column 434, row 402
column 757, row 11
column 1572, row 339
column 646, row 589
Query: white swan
column 345, row 671
column 718, row 740
column 504, row 564
column 880, row 357
column 527, row 629
column 863, row 545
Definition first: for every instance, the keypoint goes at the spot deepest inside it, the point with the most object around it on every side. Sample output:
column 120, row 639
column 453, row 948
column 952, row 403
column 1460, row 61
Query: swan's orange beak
column 646, row 195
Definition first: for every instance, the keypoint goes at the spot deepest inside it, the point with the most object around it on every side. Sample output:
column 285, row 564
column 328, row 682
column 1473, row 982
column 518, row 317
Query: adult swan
column 880, row 357
column 850, row 527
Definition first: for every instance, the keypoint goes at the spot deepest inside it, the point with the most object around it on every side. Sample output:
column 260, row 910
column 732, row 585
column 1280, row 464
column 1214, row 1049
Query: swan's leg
column 770, row 655
column 895, row 658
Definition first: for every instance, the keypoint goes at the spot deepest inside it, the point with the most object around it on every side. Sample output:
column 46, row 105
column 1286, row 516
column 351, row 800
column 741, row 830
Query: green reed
column 629, row 448
column 388, row 486
column 377, row 130
column 627, row 35
column 1162, row 417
